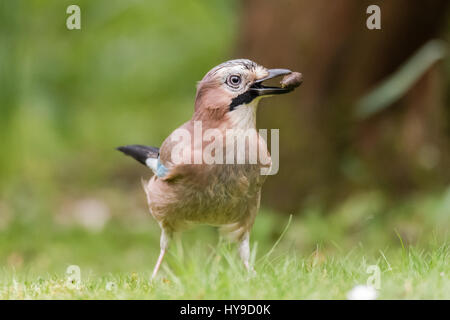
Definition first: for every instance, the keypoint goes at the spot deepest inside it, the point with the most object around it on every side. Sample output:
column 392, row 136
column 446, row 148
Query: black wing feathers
column 140, row 152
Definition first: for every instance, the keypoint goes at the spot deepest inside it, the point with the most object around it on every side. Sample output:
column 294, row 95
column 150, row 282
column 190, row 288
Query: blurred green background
column 364, row 142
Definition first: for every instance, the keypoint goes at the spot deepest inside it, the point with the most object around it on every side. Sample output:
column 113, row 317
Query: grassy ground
column 215, row 274
column 320, row 256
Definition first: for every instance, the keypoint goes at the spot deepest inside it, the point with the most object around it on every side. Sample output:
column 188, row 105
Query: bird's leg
column 164, row 244
column 244, row 251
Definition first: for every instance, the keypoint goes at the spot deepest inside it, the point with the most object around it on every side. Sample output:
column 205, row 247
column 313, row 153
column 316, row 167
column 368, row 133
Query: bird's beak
column 258, row 88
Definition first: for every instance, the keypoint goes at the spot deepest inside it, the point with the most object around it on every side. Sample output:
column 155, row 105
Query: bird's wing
column 176, row 140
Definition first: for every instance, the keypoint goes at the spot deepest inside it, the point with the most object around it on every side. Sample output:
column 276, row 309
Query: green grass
column 214, row 273
column 321, row 256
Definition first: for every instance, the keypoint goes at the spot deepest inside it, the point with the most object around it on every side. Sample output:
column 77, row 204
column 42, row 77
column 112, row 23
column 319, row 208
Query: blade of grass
column 266, row 256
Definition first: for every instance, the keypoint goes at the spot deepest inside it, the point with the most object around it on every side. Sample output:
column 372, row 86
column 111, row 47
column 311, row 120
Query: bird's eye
column 234, row 80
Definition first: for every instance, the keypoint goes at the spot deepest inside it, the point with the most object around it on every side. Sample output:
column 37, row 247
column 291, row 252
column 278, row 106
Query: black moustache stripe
column 243, row 98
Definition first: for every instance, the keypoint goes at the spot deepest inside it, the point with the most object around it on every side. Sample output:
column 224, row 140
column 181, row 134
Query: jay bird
column 224, row 195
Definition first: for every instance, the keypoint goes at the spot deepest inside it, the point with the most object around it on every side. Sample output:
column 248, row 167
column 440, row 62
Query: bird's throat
column 243, row 116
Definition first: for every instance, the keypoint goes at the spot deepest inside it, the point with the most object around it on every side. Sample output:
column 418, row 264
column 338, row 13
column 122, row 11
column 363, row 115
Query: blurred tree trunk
column 324, row 152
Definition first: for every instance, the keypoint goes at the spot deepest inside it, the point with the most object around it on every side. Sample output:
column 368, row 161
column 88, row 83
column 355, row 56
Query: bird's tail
column 140, row 153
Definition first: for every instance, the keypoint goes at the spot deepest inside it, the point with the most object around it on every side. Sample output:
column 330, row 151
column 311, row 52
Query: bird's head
column 235, row 85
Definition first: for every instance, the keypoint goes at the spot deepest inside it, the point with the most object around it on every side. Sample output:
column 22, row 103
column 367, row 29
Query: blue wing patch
column 161, row 170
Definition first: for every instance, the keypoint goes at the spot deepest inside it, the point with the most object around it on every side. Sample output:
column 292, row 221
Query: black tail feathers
column 139, row 152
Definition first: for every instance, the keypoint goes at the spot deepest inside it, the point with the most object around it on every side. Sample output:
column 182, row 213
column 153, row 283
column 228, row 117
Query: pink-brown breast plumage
column 226, row 195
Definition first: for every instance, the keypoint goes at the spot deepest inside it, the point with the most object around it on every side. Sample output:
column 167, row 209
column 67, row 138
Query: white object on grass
column 361, row 292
